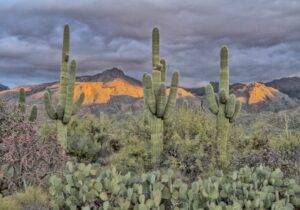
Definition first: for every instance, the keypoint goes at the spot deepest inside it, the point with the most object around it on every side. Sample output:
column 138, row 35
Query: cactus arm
column 223, row 96
column 22, row 101
column 224, row 70
column 50, row 93
column 163, row 70
column 172, row 96
column 217, row 99
column 77, row 105
column 70, row 93
column 155, row 48
column 211, row 99
column 161, row 100
column 49, row 106
column 64, row 66
column 33, row 114
column 149, row 94
column 238, row 107
column 60, row 112
column 230, row 106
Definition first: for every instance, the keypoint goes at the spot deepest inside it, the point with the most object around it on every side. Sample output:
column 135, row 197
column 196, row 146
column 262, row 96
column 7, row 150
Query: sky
column 263, row 37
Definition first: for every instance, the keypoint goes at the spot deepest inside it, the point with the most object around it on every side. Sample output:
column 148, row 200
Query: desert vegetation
column 167, row 156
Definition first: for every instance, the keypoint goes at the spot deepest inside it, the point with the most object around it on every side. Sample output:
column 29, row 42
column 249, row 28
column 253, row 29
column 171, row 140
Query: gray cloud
column 263, row 37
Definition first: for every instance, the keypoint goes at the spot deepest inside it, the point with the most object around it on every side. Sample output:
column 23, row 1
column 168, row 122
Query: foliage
column 33, row 198
column 8, row 116
column 26, row 159
column 91, row 139
column 266, row 147
column 188, row 148
column 89, row 186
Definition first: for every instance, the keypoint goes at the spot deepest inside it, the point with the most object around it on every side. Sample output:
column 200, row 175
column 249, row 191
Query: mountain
column 110, row 90
column 288, row 85
column 3, row 87
column 115, row 92
column 256, row 96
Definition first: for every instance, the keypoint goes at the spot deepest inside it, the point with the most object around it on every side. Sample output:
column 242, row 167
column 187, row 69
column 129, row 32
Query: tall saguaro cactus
column 157, row 103
column 22, row 106
column 66, row 108
column 224, row 106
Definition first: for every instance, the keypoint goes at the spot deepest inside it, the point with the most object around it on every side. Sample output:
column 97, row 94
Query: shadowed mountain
column 3, row 87
column 288, row 85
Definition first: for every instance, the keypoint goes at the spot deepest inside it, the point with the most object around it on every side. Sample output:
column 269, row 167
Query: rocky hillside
column 256, row 96
column 110, row 90
column 288, row 85
column 115, row 92
column 3, row 87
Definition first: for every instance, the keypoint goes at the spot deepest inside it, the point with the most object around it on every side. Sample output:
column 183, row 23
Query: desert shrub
column 274, row 152
column 92, row 139
column 26, row 159
column 189, row 139
column 8, row 116
column 289, row 150
column 88, row 187
column 33, row 198
column 134, row 156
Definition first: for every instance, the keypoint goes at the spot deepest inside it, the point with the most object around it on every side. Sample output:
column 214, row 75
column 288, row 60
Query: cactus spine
column 224, row 106
column 155, row 97
column 66, row 108
column 22, row 106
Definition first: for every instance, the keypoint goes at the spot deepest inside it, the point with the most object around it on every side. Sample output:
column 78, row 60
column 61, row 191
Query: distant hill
column 115, row 92
column 256, row 96
column 3, row 87
column 287, row 85
column 110, row 90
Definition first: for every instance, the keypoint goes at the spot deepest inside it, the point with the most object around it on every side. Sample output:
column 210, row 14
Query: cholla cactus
column 66, row 108
column 224, row 106
column 155, row 97
column 22, row 106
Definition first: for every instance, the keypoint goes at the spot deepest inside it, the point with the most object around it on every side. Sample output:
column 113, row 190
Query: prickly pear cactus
column 224, row 106
column 157, row 103
column 22, row 106
column 94, row 187
column 66, row 108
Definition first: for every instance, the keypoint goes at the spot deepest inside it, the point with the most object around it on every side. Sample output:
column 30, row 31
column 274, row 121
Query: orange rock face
column 98, row 92
column 259, row 93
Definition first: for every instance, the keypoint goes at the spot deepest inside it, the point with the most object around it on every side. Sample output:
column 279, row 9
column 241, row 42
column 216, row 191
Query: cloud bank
column 263, row 38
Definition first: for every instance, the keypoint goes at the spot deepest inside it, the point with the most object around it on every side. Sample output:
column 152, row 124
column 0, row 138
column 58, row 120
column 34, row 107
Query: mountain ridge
column 113, row 87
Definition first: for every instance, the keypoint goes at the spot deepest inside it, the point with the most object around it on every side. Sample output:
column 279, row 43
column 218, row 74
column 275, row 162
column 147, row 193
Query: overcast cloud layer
column 263, row 37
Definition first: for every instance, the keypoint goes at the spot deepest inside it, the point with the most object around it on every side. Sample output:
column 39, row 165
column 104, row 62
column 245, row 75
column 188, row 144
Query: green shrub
column 189, row 143
column 89, row 186
column 33, row 198
column 133, row 156
column 92, row 139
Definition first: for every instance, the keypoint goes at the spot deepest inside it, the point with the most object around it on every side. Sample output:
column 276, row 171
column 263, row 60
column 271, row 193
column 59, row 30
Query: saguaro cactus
column 155, row 97
column 224, row 106
column 22, row 106
column 66, row 108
